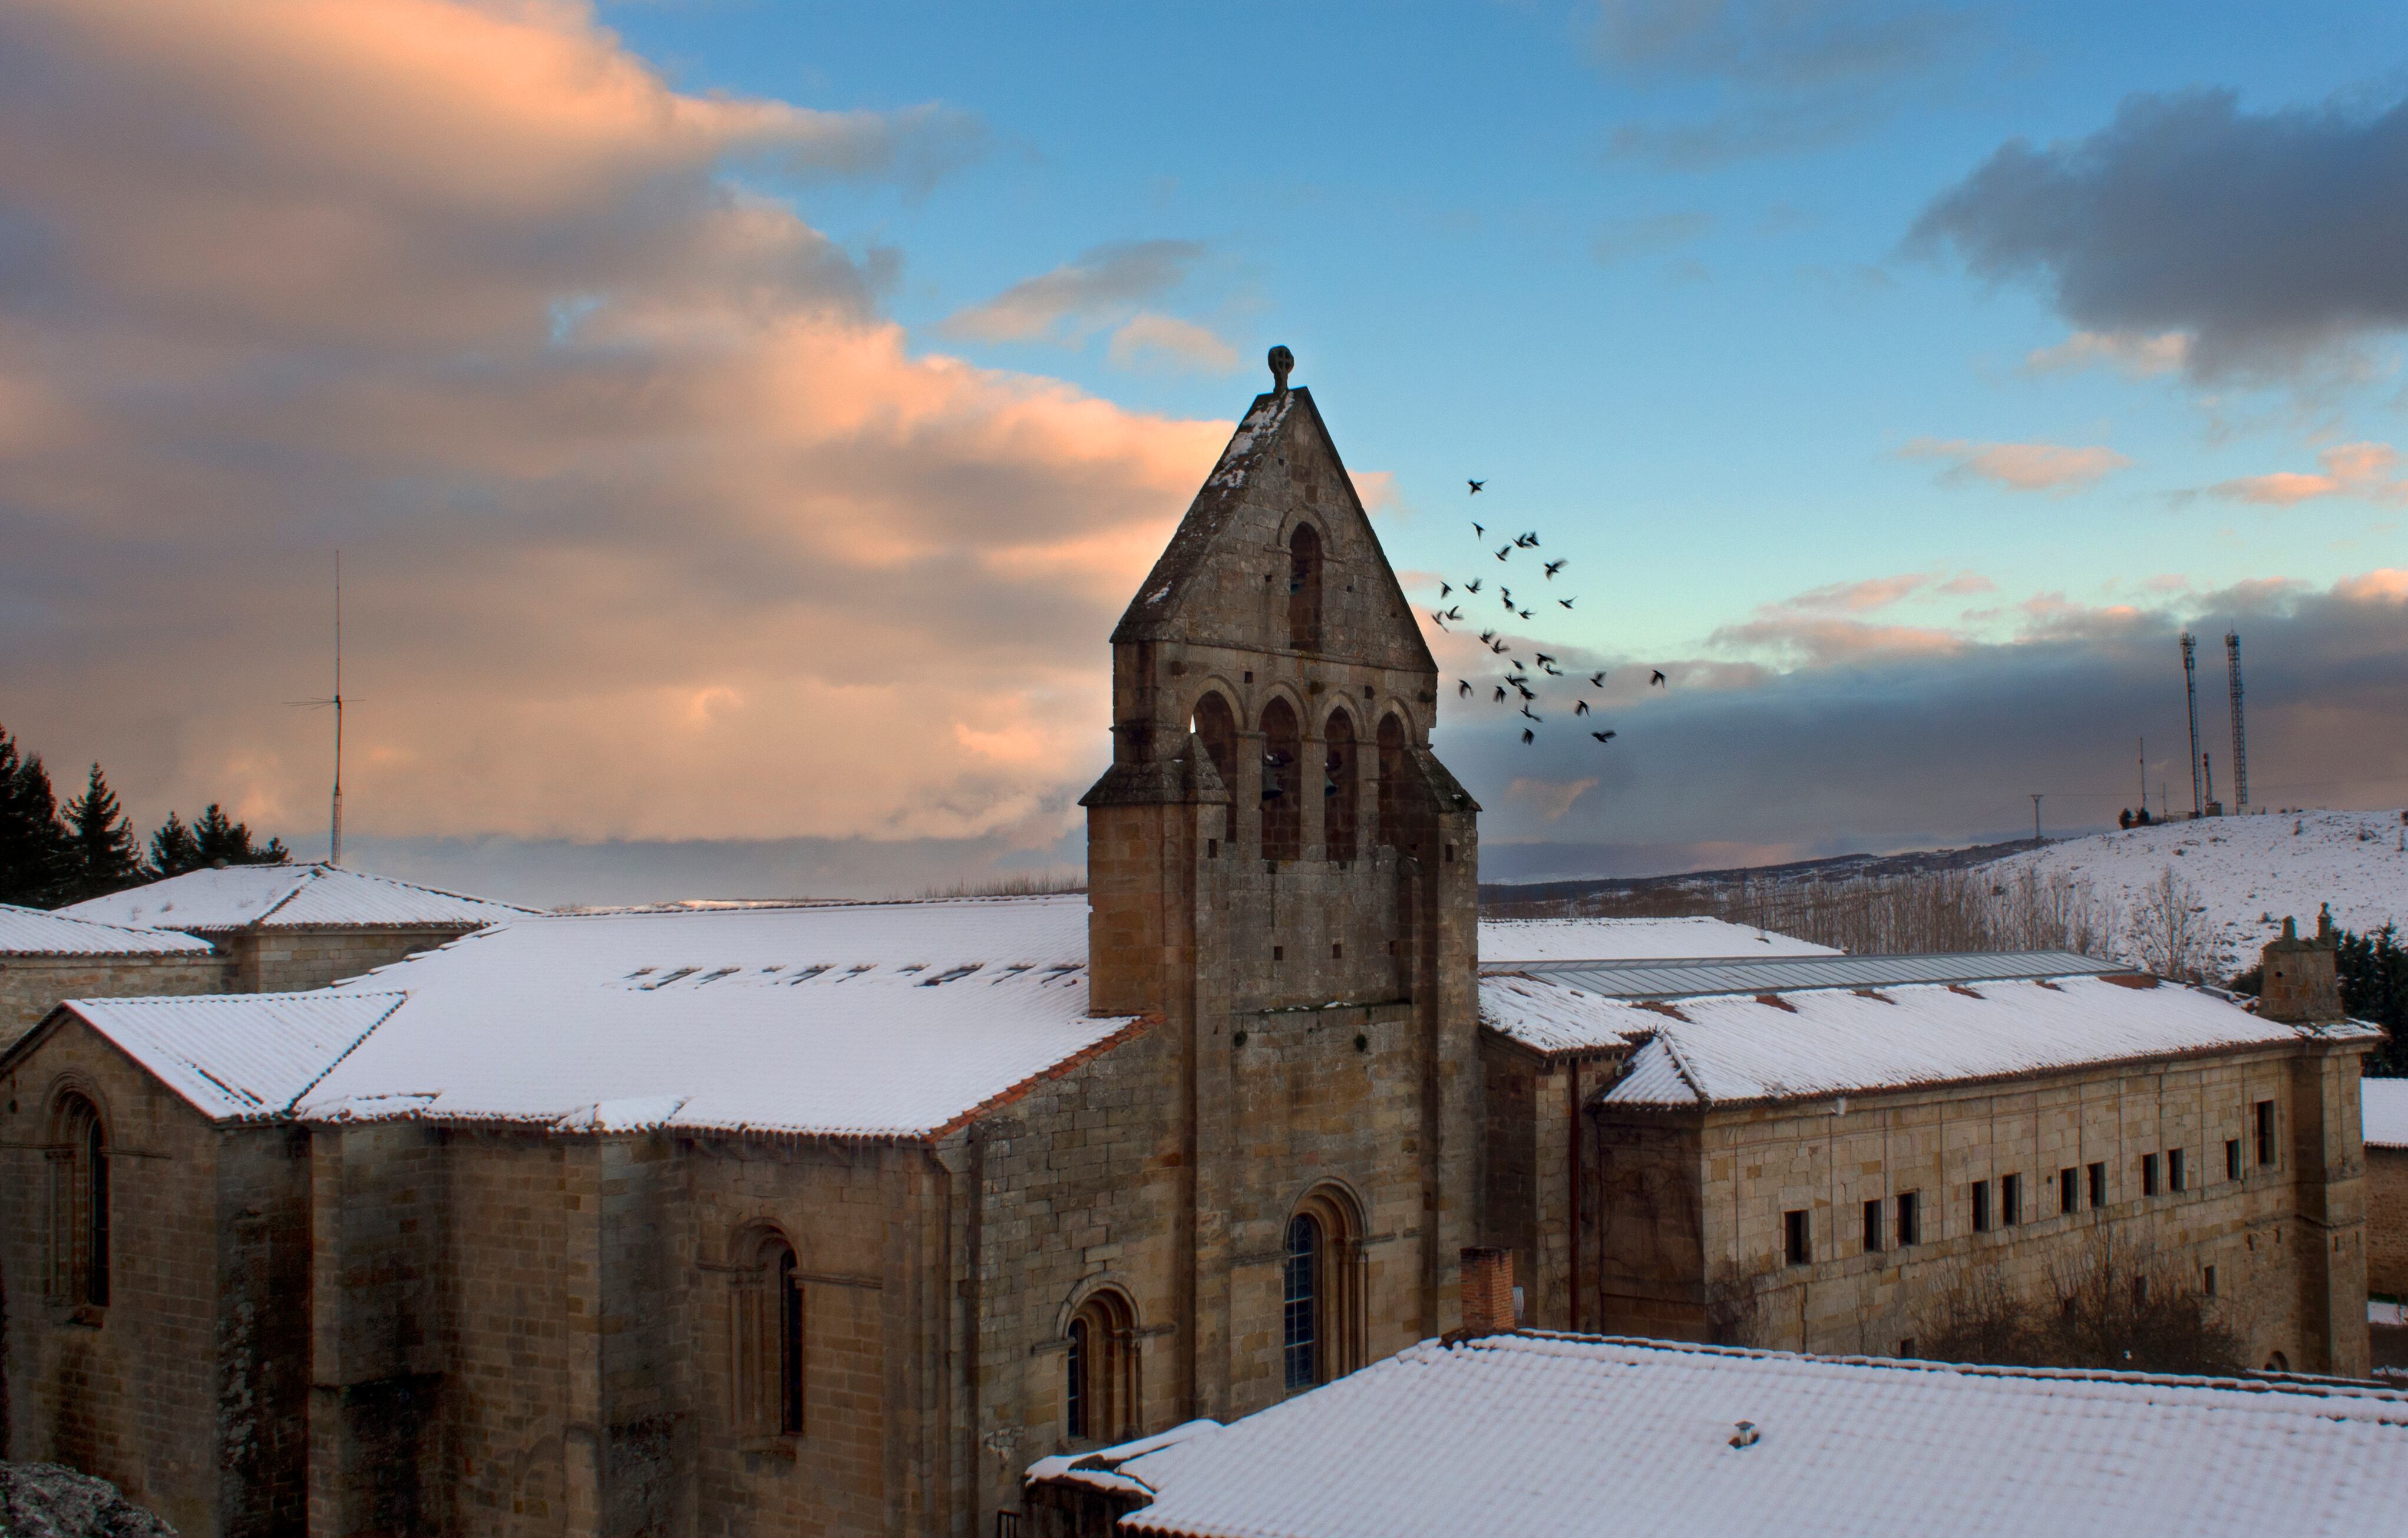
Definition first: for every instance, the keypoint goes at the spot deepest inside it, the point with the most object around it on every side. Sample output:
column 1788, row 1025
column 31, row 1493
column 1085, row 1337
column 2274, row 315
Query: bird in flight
column 1504, row 550
column 1475, row 485
column 1526, row 541
column 1543, row 658
column 1602, row 737
column 1462, row 688
column 1486, row 636
column 1445, row 588
column 1566, row 602
column 1498, row 647
column 1580, row 709
column 1554, row 567
column 1658, row 679
column 1479, row 529
column 1456, row 612
column 1524, row 613
column 1525, row 710
column 1529, row 736
column 1501, row 693
column 1473, row 586
column 1437, row 617
column 1596, row 681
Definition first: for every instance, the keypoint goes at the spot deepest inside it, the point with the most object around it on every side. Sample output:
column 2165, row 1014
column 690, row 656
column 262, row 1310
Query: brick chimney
column 2301, row 986
column 1487, row 1291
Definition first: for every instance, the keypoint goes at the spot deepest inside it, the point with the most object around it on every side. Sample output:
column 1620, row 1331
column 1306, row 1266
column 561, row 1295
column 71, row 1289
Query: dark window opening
column 1304, row 589
column 2207, row 1282
column 2148, row 1174
column 1099, row 1370
column 1981, row 1206
column 1906, row 1347
column 1282, row 809
column 2177, row 1170
column 790, row 1347
column 1393, row 742
column 2098, row 1186
column 2069, row 1190
column 1216, row 727
column 2011, row 1200
column 1301, row 1291
column 1341, row 781
column 2233, row 1158
column 771, row 1349
column 1910, row 1218
column 1873, row 1226
column 2266, row 1135
column 80, row 1205
column 1074, row 1392
column 1796, row 1239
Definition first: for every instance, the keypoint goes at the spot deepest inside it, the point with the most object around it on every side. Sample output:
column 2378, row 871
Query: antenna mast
column 335, row 847
column 2240, row 740
column 2190, row 699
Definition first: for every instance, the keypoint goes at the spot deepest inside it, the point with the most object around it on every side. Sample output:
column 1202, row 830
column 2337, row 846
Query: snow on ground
column 2249, row 872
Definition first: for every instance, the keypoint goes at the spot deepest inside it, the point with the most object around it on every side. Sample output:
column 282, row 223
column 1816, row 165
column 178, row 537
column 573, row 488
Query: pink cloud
column 2048, row 467
column 2361, row 470
column 652, row 528
column 2132, row 354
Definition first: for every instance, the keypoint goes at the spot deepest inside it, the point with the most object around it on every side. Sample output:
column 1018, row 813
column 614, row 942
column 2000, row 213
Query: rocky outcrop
column 45, row 1501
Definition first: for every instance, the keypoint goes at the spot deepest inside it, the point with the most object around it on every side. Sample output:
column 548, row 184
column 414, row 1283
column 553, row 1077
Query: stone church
column 835, row 1219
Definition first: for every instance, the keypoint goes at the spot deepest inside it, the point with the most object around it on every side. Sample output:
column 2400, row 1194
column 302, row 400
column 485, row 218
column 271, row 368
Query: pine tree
column 34, row 862
column 100, row 838
column 221, row 839
column 174, row 850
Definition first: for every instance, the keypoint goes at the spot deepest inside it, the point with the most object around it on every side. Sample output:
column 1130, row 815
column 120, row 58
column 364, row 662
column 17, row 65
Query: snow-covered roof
column 1533, row 1434
column 1674, row 979
column 2383, row 1110
column 290, row 897
column 237, row 1057
column 31, row 932
column 1724, row 1049
column 1510, row 940
column 866, row 1020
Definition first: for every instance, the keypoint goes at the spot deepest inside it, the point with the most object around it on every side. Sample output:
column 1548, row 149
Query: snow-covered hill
column 2246, row 872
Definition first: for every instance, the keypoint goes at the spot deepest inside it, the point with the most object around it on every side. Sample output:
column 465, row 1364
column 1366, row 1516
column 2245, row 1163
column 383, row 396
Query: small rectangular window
column 2266, row 1159
column 2233, row 1158
column 2011, row 1200
column 1796, row 1240
column 2148, row 1174
column 2069, row 1190
column 1906, row 1347
column 1212, row 848
column 1279, row 953
column 1981, row 1206
column 2097, row 1186
column 1910, row 1218
column 2207, row 1281
column 2177, row 1170
column 1873, row 1226
column 1337, row 951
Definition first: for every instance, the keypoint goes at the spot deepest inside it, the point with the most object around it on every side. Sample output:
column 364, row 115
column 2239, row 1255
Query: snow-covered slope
column 2247, row 872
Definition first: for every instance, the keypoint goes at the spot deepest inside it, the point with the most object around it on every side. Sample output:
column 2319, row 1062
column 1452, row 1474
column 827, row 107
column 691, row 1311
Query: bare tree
column 2168, row 933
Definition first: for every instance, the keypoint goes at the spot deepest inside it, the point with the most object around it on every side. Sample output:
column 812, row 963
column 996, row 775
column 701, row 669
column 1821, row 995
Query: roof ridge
column 398, row 1000
column 309, row 873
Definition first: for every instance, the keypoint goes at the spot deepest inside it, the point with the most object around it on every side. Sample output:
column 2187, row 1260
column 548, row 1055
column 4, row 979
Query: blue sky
column 742, row 421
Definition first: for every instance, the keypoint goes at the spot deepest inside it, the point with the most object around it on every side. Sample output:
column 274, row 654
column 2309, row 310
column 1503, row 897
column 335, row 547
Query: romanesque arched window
column 1216, row 727
column 1392, row 780
column 1321, row 1289
column 1099, row 1389
column 1340, row 787
column 769, row 1360
column 79, row 1168
column 1304, row 588
column 1282, row 807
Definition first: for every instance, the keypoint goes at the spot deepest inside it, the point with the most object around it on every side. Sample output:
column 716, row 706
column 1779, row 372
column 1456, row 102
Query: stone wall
column 271, row 960
column 31, row 986
column 2387, row 1221
column 184, row 1390
column 2285, row 1240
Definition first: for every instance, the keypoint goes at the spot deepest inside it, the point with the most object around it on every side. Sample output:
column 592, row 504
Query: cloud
column 1550, row 799
column 1860, row 596
column 2130, row 353
column 1148, row 339
column 1623, row 239
column 2361, row 470
column 1905, row 748
column 1789, row 76
column 2018, row 466
column 652, row 528
column 1079, row 297
column 2271, row 240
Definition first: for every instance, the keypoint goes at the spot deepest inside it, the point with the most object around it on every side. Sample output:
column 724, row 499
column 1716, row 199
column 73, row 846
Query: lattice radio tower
column 2190, row 699
column 2240, row 737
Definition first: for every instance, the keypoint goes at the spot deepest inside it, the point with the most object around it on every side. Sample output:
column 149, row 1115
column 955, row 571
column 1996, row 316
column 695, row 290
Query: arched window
column 1283, row 808
column 78, row 1161
column 770, row 1360
column 1099, row 1389
column 1322, row 1290
column 1340, row 786
column 1392, row 799
column 1218, row 729
column 1304, row 588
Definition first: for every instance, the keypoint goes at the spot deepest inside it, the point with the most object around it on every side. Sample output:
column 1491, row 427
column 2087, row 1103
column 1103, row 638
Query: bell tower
column 1281, row 870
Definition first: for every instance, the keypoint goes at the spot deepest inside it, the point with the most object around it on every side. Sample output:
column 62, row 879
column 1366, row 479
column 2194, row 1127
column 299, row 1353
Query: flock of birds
column 1521, row 682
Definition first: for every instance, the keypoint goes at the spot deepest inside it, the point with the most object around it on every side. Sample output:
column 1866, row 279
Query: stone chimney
column 1487, row 1291
column 2301, row 986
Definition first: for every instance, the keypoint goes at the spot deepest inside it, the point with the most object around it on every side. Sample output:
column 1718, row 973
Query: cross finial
column 1282, row 363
